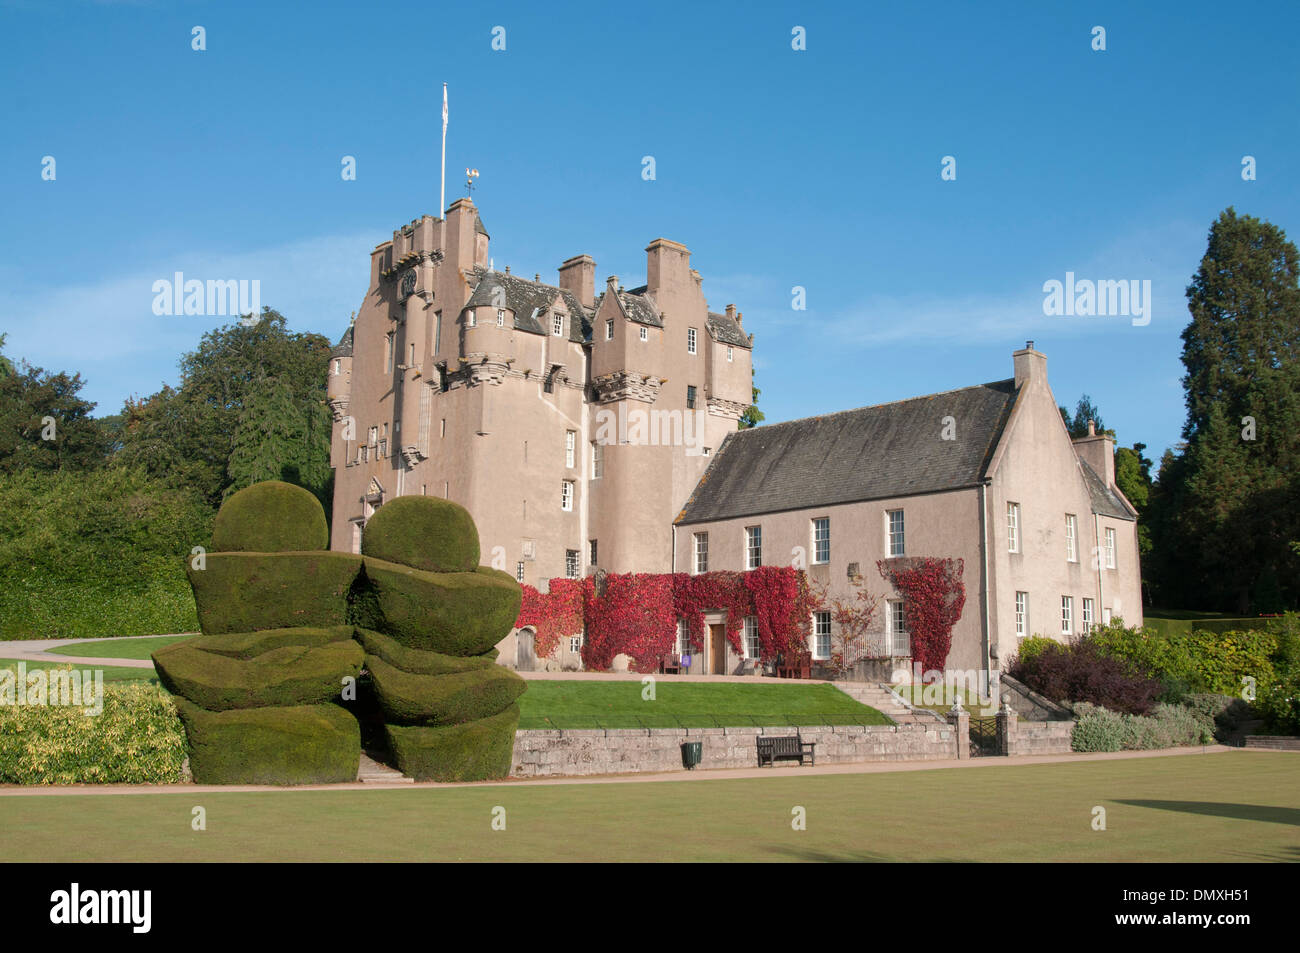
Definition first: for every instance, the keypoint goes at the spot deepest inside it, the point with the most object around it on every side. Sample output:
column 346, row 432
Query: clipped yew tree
column 429, row 616
column 288, row 624
column 261, row 691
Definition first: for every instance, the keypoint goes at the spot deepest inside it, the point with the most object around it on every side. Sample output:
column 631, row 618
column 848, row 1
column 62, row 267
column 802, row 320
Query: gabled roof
column 526, row 299
column 640, row 307
column 1104, row 500
column 344, row 347
column 879, row 452
column 725, row 330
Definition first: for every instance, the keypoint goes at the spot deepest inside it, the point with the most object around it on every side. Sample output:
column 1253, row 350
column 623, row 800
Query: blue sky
column 779, row 168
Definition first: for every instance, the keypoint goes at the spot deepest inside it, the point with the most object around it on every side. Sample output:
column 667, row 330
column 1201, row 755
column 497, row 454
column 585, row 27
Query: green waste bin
column 692, row 754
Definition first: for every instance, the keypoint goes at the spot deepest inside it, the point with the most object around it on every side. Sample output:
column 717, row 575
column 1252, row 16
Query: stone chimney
column 667, row 262
column 1098, row 451
column 463, row 249
column 578, row 277
column 1030, row 366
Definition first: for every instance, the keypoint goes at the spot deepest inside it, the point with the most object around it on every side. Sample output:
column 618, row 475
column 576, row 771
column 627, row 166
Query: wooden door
column 717, row 650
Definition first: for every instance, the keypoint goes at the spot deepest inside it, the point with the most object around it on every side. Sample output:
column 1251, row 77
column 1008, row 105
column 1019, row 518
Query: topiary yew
column 291, row 675
column 455, row 613
column 270, row 517
column 443, row 699
column 474, row 751
column 247, row 645
column 423, row 532
column 416, row 661
column 245, row 592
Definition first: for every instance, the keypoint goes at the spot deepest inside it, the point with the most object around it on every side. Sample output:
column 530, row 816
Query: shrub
column 1186, row 662
column 461, row 613
column 1279, row 705
column 443, row 699
column 1286, row 658
column 1099, row 729
column 1035, row 646
column 417, row 662
column 1080, row 673
column 291, row 675
column 245, row 592
column 1224, row 712
column 247, row 645
column 475, row 751
column 310, row 744
column 270, row 517
column 423, row 532
column 136, row 739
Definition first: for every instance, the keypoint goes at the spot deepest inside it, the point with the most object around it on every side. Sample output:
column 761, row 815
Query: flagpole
column 442, row 196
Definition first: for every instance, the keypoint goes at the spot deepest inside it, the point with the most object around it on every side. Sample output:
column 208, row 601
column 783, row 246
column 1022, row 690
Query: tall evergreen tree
column 1230, row 504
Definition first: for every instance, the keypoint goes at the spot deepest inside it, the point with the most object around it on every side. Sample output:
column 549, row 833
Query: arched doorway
column 525, row 650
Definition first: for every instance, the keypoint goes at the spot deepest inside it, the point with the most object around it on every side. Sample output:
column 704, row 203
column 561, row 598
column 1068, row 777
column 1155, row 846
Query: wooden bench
column 670, row 665
column 796, row 666
column 774, row 748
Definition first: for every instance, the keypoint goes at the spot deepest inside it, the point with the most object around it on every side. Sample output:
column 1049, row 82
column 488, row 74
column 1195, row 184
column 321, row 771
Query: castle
column 587, row 432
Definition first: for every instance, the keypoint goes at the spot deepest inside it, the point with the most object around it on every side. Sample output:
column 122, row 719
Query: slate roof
column 344, row 347
column 478, row 225
column 1104, row 500
column 726, row 331
column 525, row 298
column 871, row 453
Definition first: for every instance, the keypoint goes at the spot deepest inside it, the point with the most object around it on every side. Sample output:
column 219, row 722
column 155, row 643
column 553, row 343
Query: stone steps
column 371, row 771
column 879, row 699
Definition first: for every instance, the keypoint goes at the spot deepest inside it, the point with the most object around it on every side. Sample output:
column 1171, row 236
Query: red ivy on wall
column 636, row 613
column 933, row 598
column 552, row 615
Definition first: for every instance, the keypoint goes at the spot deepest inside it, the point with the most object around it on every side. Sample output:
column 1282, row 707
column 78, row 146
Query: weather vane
column 470, row 176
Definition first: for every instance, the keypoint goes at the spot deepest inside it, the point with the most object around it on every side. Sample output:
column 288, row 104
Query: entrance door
column 525, row 652
column 717, row 650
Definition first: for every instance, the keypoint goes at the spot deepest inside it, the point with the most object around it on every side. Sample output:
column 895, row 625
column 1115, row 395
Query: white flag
column 444, row 107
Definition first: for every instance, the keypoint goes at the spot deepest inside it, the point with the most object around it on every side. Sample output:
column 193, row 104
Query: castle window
column 1071, row 546
column 1022, row 614
column 690, row 397
column 557, row 324
column 1110, row 548
column 896, row 622
column 575, row 644
column 597, row 460
column 753, row 547
column 1087, row 615
column 609, row 330
column 470, row 320
column 897, row 543
column 729, row 354
column 690, row 340
column 501, row 317
column 570, row 442
column 571, row 563
column 701, row 553
column 566, row 495
column 1013, row 527
column 822, row 540
column 592, row 552
column 388, row 355
column 519, row 571
column 1067, row 615
column 753, row 647
column 821, row 635
column 645, row 335
column 336, row 367
column 437, row 331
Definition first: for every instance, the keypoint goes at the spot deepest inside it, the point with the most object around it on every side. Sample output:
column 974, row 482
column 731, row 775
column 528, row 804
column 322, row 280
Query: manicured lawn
column 119, row 648
column 112, row 673
column 582, row 704
column 1174, row 621
column 1236, row 806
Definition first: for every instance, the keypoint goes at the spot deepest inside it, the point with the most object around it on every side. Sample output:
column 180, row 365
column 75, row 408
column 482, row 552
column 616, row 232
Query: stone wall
column 632, row 750
column 1030, row 705
column 1274, row 742
column 1043, row 737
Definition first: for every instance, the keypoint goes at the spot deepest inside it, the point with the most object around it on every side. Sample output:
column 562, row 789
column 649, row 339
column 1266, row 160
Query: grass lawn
column 579, row 704
column 112, row 673
column 120, row 648
column 1234, row 806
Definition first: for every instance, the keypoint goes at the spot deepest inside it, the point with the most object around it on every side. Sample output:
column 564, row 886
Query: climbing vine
column 552, row 615
column 933, row 598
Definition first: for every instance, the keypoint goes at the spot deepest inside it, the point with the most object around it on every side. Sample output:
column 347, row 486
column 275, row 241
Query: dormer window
column 501, row 317
column 557, row 324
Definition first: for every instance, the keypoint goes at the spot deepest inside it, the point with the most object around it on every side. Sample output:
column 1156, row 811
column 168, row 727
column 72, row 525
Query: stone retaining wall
column 631, row 750
column 1274, row 742
column 1043, row 737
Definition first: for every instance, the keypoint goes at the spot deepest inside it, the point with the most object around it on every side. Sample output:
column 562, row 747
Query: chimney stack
column 578, row 277
column 1030, row 366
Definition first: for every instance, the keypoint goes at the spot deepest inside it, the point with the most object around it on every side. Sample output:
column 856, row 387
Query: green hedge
column 310, row 744
column 1173, row 627
column 423, row 532
column 244, row 592
column 270, row 517
column 417, row 662
column 1279, row 706
column 442, row 699
column 44, row 607
column 136, row 739
column 476, row 751
column 463, row 613
column 288, row 676
column 247, row 645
